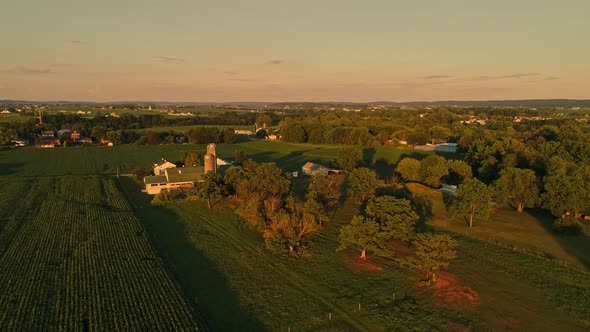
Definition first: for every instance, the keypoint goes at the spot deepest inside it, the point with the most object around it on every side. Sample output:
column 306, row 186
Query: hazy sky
column 275, row 50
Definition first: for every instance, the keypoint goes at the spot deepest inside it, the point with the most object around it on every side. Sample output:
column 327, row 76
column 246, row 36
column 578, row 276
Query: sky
column 305, row 50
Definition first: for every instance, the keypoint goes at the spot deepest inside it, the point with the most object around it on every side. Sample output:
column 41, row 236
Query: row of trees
column 564, row 190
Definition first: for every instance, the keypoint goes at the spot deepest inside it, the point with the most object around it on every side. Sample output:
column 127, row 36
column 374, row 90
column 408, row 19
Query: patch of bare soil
column 357, row 264
column 450, row 292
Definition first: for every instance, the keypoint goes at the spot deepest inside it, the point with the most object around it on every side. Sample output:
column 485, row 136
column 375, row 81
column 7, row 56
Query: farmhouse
column 160, row 167
column 173, row 178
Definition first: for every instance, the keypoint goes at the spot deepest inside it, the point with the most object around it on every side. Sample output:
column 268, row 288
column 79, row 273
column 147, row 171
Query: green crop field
column 106, row 160
column 74, row 257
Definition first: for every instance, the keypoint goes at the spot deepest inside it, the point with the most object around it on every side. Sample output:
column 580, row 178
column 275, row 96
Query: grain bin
column 210, row 163
column 211, row 149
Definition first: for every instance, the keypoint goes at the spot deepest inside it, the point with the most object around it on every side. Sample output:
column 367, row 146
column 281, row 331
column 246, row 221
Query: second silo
column 210, row 163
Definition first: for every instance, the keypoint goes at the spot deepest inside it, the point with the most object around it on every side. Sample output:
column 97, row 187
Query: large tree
column 473, row 199
column 517, row 187
column 212, row 188
column 409, row 169
column 323, row 189
column 568, row 192
column 349, row 158
column 363, row 234
column 459, row 172
column 432, row 170
column 289, row 227
column 362, row 184
column 433, row 253
column 192, row 159
column 395, row 216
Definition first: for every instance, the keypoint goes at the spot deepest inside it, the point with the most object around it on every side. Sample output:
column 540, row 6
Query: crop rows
column 74, row 257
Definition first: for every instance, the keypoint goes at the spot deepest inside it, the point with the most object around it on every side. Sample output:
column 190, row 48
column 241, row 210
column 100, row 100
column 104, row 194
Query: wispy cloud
column 276, row 62
column 231, row 72
column 168, row 59
column 76, row 41
column 434, row 77
column 519, row 75
column 61, row 65
column 242, row 79
column 500, row 77
column 28, row 71
column 551, row 78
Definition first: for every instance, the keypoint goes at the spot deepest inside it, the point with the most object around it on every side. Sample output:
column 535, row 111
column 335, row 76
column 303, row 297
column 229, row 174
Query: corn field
column 74, row 257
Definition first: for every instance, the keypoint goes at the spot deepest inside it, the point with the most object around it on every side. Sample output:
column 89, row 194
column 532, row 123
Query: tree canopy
column 434, row 252
column 473, row 199
column 409, row 169
column 432, row 170
column 395, row 216
column 349, row 158
column 362, row 184
column 518, row 188
column 363, row 234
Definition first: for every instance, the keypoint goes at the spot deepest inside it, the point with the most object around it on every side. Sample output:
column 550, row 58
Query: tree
column 229, row 136
column 473, row 199
column 395, row 216
column 433, row 253
column 212, row 188
column 114, row 137
column 192, row 159
column 323, row 189
column 568, row 193
column 350, row 158
column 439, row 133
column 363, row 234
column 6, row 135
column 459, row 172
column 289, row 227
column 517, row 187
column 99, row 132
column 362, row 184
column 409, row 169
column 432, row 170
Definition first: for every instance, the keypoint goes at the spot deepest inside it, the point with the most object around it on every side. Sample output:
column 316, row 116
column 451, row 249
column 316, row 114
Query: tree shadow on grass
column 202, row 283
column 577, row 246
column 423, row 207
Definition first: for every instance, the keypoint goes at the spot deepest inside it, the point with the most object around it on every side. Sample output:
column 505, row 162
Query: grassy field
column 243, row 286
column 529, row 231
column 106, row 160
column 73, row 256
column 488, row 288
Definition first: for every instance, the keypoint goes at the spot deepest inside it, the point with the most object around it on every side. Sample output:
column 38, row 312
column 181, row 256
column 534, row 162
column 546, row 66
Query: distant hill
column 537, row 103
